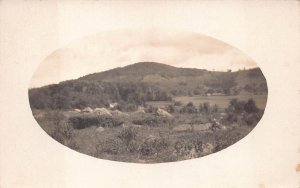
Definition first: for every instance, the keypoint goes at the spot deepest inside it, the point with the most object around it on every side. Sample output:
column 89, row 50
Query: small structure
column 100, row 129
column 88, row 110
column 77, row 110
column 113, row 105
column 163, row 113
column 102, row 111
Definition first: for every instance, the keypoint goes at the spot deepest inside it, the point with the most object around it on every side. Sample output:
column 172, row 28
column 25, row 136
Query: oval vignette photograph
column 148, row 96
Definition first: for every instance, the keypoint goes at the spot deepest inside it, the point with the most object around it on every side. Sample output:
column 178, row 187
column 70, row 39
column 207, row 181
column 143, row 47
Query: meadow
column 171, row 132
column 221, row 101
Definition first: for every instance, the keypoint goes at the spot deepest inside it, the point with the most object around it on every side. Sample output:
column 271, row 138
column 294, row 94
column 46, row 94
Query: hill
column 138, row 71
column 145, row 81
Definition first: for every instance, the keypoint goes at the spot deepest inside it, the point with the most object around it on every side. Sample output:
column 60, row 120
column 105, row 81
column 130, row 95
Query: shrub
column 152, row 146
column 150, row 120
column 186, row 145
column 81, row 122
column 112, row 146
column 109, row 121
column 223, row 141
column 187, row 149
column 54, row 117
column 133, row 146
column 236, row 106
column 250, row 106
column 128, row 134
column 177, row 103
column 64, row 134
column 171, row 108
column 232, row 118
column 207, row 108
column 253, row 118
column 150, row 109
column 215, row 108
column 189, row 108
column 127, row 107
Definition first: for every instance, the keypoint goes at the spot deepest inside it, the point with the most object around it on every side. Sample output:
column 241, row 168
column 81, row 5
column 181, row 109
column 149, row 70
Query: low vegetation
column 147, row 137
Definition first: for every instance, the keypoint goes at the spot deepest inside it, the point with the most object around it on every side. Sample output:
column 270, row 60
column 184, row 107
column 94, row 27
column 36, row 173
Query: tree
column 250, row 106
column 189, row 108
column 236, row 106
column 170, row 108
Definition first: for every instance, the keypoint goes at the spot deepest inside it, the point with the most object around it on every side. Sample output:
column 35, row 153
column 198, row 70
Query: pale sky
column 108, row 50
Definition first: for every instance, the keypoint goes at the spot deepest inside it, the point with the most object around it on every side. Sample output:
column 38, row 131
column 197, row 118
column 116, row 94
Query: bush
column 232, row 118
column 112, row 146
column 152, row 146
column 81, row 122
column 215, row 108
column 223, row 141
column 109, row 121
column 177, row 103
column 170, row 108
column 236, row 106
column 128, row 134
column 150, row 120
column 150, row 109
column 253, row 118
column 186, row 145
column 54, row 117
column 189, row 108
column 242, row 106
column 133, row 146
column 127, row 107
column 207, row 108
column 188, row 149
column 250, row 106
column 64, row 134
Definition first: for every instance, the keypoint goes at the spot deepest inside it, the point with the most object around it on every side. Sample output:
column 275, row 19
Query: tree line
column 80, row 94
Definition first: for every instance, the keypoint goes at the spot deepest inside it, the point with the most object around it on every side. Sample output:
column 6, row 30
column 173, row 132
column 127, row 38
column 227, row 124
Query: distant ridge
column 144, row 81
column 145, row 68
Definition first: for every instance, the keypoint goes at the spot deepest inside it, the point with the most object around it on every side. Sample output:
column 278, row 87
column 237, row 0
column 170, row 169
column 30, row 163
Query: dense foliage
column 80, row 94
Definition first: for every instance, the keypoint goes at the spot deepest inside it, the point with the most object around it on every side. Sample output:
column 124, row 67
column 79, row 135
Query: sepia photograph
column 152, row 96
column 143, row 94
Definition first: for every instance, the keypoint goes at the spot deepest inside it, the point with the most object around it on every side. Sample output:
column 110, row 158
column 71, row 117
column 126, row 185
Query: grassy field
column 151, row 144
column 221, row 101
column 148, row 137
